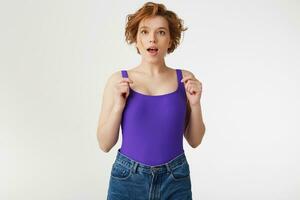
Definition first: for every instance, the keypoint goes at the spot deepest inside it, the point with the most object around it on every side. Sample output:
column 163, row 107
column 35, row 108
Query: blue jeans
column 131, row 180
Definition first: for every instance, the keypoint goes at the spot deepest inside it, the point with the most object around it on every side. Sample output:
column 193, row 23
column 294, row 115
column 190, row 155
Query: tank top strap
column 179, row 77
column 124, row 74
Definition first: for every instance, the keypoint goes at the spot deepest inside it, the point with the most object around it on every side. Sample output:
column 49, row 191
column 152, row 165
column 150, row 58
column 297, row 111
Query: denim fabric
column 131, row 180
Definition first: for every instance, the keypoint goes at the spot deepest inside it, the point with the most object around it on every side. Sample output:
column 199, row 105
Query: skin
column 150, row 77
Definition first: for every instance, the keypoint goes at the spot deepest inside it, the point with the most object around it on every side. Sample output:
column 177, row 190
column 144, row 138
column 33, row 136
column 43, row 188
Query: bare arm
column 111, row 114
column 108, row 133
column 196, row 127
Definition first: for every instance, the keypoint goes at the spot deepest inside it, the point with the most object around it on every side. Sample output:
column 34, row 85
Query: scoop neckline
column 159, row 95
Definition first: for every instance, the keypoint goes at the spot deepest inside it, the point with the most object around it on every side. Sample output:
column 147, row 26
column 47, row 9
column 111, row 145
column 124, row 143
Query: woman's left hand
column 193, row 88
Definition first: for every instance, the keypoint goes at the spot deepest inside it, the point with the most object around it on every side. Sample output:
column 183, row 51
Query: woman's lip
column 153, row 47
column 153, row 53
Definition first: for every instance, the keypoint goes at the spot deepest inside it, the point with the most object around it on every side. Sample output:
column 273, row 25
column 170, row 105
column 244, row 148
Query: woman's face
column 153, row 38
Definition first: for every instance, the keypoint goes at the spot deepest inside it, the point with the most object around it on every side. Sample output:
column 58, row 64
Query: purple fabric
column 153, row 126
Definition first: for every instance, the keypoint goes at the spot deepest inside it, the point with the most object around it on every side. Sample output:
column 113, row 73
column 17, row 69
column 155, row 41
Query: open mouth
column 152, row 50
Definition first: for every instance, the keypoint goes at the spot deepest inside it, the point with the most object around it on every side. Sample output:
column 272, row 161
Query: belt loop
column 135, row 164
column 168, row 167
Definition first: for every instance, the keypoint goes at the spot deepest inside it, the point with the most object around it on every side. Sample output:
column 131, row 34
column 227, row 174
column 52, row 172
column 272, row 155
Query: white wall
column 57, row 55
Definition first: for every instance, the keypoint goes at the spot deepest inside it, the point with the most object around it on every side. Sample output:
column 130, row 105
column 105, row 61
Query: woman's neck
column 152, row 69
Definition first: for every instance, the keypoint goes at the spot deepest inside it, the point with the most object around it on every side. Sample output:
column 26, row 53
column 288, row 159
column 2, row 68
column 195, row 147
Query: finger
column 187, row 78
column 193, row 89
column 189, row 84
column 194, row 82
column 125, row 85
column 186, row 85
column 190, row 88
column 125, row 92
column 196, row 86
column 188, row 81
column 126, row 80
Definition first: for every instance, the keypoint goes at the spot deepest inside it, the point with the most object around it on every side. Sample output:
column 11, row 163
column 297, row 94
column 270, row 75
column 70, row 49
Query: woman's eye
column 143, row 31
column 162, row 32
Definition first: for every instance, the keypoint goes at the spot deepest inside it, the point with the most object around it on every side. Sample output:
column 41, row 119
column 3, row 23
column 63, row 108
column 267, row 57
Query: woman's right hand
column 122, row 92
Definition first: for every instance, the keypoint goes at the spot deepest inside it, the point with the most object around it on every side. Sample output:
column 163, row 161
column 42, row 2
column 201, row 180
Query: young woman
column 156, row 106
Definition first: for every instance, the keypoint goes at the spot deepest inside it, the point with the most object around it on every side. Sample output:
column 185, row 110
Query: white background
column 55, row 58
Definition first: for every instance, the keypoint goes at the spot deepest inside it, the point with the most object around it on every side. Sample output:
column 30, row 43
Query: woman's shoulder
column 118, row 73
column 186, row 73
column 115, row 76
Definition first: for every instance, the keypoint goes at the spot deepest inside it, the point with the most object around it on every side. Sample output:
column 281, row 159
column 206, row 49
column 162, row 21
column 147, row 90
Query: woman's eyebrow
column 157, row 28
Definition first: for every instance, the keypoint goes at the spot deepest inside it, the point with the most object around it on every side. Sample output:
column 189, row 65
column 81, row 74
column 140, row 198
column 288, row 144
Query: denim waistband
column 137, row 166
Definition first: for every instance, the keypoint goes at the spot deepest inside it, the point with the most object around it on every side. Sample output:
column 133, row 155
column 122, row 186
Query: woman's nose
column 152, row 38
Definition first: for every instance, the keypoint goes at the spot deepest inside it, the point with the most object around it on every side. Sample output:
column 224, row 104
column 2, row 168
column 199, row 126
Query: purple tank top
column 153, row 125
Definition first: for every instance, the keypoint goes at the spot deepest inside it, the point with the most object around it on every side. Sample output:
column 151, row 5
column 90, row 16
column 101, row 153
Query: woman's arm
column 110, row 117
column 195, row 126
